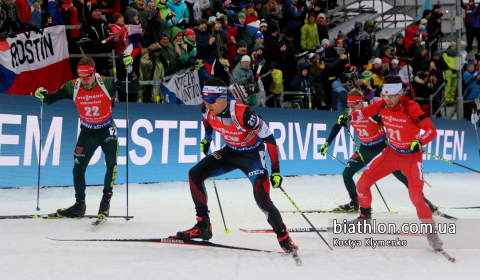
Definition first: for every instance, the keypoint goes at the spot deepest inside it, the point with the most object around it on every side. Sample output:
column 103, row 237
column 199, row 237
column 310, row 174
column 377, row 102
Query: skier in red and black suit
column 402, row 119
column 245, row 134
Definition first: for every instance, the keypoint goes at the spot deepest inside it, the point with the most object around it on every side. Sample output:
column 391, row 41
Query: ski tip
column 244, row 230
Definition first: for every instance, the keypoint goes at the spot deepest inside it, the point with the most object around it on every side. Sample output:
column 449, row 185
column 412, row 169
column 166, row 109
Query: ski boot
column 352, row 206
column 435, row 241
column 76, row 210
column 104, row 209
column 203, row 230
column 285, row 241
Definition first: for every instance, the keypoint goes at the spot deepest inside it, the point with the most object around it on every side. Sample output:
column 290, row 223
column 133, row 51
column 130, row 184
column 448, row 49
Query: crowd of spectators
column 292, row 37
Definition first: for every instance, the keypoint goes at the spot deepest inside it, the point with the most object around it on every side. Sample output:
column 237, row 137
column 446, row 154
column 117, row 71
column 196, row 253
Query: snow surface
column 162, row 209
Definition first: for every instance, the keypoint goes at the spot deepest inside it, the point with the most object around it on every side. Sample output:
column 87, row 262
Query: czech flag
column 253, row 27
column 209, row 65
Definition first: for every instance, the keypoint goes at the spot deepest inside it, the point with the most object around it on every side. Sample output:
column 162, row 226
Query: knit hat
column 341, row 35
column 311, row 14
column 437, row 53
column 462, row 43
column 241, row 44
column 241, row 15
column 385, row 60
column 94, row 7
column 423, row 28
column 259, row 35
column 129, row 15
column 321, row 16
column 400, row 35
column 367, row 75
column 313, row 57
column 416, row 40
column 116, row 16
column 263, row 22
column 189, row 32
column 377, row 61
column 382, row 41
column 272, row 28
column 162, row 35
column 471, row 63
column 343, row 78
column 319, row 50
column 256, row 47
column 395, row 61
column 245, row 58
column 423, row 21
column 436, row 6
column 349, row 70
column 201, row 21
column 290, row 33
column 325, row 42
column 452, row 43
column 339, row 41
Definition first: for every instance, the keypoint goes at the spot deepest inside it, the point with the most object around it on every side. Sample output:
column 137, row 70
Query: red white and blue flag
column 33, row 60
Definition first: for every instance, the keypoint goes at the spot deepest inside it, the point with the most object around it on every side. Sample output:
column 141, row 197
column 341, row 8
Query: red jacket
column 409, row 32
column 24, row 10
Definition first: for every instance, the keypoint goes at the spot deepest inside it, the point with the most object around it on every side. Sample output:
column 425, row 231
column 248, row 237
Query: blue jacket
column 300, row 82
column 204, row 49
column 292, row 16
column 472, row 90
column 476, row 18
column 180, row 10
column 339, row 96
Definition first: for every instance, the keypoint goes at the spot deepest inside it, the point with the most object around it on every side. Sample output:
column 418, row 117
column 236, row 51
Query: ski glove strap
column 41, row 92
column 415, row 146
column 205, row 146
column 343, row 120
column 324, row 148
column 276, row 180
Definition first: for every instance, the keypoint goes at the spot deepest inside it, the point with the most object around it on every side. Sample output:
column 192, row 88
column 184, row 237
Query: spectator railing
column 430, row 99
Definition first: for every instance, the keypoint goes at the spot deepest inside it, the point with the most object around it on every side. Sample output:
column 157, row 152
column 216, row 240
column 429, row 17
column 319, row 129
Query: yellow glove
column 415, row 146
column 40, row 93
column 276, row 180
column 127, row 59
column 205, row 145
column 343, row 120
column 324, row 148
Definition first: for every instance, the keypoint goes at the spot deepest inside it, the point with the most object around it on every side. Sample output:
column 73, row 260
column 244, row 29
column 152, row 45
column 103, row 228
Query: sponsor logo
column 256, row 172
column 79, row 149
column 110, row 138
column 88, row 97
column 354, row 156
column 78, row 155
column 216, row 155
column 76, row 161
column 392, row 119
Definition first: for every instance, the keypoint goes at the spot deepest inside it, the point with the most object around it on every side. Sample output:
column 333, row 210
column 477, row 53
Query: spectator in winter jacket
column 339, row 93
column 206, row 43
column 409, row 32
column 376, row 68
column 24, row 10
column 399, row 49
column 322, row 27
column 166, row 13
column 150, row 36
column 180, row 10
column 291, row 56
column 303, row 82
column 242, row 30
column 468, row 22
column 361, row 43
column 309, row 39
column 119, row 46
column 450, row 73
column 241, row 51
column 176, row 59
column 385, row 66
column 333, row 66
column 316, row 70
column 151, row 68
column 418, row 53
column 250, row 14
column 220, row 39
column 272, row 8
column 262, row 14
column 3, row 26
column 258, row 38
column 242, row 74
column 471, row 83
column 423, row 87
column 394, row 67
column 292, row 14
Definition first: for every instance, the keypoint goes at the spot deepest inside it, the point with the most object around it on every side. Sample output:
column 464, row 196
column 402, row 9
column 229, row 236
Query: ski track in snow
column 161, row 209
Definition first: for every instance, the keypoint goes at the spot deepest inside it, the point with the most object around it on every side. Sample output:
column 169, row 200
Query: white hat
column 462, row 43
column 246, row 58
column 423, row 21
column 325, row 42
column 321, row 16
column 395, row 61
column 377, row 61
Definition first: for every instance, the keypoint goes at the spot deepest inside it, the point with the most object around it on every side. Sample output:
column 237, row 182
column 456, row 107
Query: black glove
column 168, row 17
column 33, row 28
column 454, row 71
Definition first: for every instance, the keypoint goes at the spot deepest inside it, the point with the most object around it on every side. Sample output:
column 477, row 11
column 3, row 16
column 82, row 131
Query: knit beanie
column 385, row 60
column 313, row 57
column 343, row 78
column 259, row 35
column 423, row 21
column 245, row 58
column 94, row 7
column 162, row 35
column 377, row 61
column 341, row 35
column 416, row 40
column 319, row 50
column 325, row 42
column 272, row 28
column 256, row 47
column 242, row 43
column 321, row 16
column 116, row 16
column 400, row 35
column 395, row 61
column 241, row 15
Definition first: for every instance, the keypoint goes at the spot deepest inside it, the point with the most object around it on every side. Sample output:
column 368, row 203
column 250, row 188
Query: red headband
column 85, row 69
column 354, row 100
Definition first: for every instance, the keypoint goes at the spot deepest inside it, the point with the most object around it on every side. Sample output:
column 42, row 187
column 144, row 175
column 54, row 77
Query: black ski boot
column 203, row 230
column 104, row 209
column 352, row 206
column 435, row 241
column 76, row 210
column 365, row 217
column 285, row 241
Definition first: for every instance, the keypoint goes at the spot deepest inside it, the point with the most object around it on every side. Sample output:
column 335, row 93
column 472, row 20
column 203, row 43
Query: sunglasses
column 388, row 97
column 87, row 77
column 353, row 106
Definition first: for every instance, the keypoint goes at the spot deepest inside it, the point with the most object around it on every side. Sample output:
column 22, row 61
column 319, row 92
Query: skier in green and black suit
column 93, row 95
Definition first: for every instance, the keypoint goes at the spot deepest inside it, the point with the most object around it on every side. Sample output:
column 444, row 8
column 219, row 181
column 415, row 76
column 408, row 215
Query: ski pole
column 449, row 161
column 365, row 164
column 227, row 230
column 39, row 158
column 300, row 211
column 126, row 91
